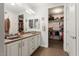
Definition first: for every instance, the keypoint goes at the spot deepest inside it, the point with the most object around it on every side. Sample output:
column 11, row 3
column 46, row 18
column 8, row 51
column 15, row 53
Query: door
column 25, row 47
column 71, row 29
column 12, row 49
column 78, row 29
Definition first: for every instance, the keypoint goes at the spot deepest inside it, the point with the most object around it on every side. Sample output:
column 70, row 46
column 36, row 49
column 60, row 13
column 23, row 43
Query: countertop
column 23, row 36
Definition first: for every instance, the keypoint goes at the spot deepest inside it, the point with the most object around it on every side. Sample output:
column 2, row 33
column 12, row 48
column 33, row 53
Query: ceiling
column 19, row 7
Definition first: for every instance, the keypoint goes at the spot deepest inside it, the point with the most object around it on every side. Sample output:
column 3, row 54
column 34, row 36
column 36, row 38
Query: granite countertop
column 23, row 36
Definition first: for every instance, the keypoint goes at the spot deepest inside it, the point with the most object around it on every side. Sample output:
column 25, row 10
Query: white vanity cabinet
column 13, row 49
column 23, row 47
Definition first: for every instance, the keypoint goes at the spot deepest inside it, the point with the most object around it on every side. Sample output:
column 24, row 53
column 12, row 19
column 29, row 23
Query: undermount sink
column 25, row 35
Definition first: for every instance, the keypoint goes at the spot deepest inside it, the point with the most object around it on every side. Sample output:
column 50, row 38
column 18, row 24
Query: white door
column 25, row 47
column 12, row 49
column 71, row 29
column 78, row 29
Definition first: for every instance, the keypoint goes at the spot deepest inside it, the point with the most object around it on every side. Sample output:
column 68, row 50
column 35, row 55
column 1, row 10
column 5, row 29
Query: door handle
column 73, row 37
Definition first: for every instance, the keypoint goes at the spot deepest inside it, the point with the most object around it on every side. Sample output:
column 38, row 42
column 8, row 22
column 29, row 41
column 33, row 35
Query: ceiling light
column 31, row 11
column 58, row 10
column 28, row 12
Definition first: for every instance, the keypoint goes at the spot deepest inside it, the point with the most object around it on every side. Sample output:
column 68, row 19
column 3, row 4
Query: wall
column 42, row 14
column 13, row 16
column 1, row 29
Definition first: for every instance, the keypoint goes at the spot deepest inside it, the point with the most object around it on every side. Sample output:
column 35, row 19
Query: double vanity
column 24, row 45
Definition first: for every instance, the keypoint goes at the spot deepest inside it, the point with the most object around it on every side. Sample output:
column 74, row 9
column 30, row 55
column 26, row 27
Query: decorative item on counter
column 19, row 33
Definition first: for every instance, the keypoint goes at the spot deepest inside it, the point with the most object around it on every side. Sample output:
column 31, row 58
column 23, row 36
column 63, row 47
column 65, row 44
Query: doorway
column 56, row 27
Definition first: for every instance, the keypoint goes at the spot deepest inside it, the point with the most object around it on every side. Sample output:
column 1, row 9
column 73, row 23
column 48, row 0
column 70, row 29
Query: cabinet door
column 38, row 42
column 25, row 47
column 31, row 45
column 13, row 49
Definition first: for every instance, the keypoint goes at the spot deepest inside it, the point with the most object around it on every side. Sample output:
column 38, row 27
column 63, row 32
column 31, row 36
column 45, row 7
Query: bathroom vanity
column 24, row 45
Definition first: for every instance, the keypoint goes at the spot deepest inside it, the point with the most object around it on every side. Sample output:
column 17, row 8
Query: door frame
column 64, row 41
